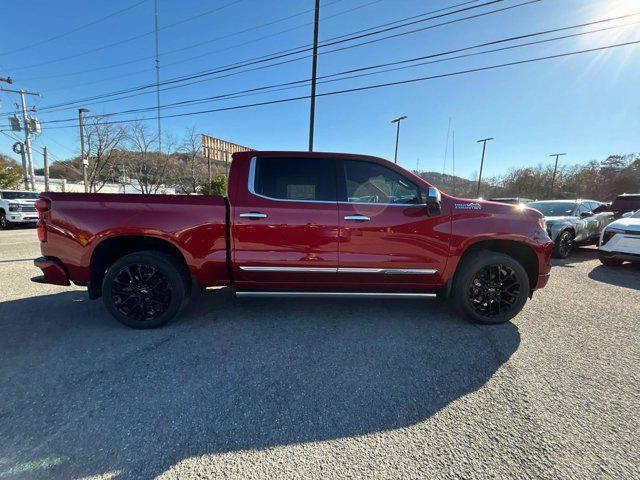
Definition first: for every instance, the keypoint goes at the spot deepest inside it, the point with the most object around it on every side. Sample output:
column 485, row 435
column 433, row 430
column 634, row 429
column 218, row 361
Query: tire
column 564, row 244
column 611, row 262
column 145, row 289
column 490, row 287
column 4, row 223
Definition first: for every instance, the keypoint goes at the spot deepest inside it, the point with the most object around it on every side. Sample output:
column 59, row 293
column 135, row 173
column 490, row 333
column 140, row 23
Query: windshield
column 554, row 209
column 19, row 195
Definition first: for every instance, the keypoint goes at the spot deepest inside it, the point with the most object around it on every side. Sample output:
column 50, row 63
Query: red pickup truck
column 295, row 224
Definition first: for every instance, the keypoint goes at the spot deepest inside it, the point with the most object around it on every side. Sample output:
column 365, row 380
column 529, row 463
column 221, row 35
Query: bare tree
column 102, row 142
column 152, row 170
column 192, row 172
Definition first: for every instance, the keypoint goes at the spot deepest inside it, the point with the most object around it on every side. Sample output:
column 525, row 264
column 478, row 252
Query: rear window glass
column 626, row 204
column 296, row 178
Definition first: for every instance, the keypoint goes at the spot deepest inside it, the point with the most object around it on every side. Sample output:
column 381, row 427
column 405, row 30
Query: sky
column 585, row 105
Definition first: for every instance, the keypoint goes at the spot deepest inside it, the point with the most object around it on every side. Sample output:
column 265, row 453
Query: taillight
column 43, row 205
column 42, row 230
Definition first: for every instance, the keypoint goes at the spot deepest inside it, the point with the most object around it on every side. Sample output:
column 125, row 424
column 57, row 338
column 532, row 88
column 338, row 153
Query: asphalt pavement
column 284, row 388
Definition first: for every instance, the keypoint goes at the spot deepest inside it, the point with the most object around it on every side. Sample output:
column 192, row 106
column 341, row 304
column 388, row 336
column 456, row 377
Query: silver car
column 573, row 222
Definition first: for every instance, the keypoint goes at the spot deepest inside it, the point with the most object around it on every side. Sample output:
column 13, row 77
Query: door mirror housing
column 433, row 201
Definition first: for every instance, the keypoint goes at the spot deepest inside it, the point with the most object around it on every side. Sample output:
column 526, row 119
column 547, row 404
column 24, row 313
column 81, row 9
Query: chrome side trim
column 252, row 182
column 389, row 271
column 383, row 204
column 358, row 218
column 333, row 295
column 289, row 269
column 253, row 215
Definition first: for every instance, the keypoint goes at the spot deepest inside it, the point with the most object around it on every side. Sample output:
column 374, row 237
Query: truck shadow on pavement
column 84, row 396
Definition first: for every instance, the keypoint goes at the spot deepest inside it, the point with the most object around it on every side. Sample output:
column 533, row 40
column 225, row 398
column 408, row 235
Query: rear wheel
column 144, row 289
column 611, row 262
column 564, row 244
column 490, row 287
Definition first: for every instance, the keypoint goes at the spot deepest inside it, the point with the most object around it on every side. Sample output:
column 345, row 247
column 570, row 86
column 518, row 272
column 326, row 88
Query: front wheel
column 490, row 287
column 144, row 289
column 4, row 223
column 564, row 244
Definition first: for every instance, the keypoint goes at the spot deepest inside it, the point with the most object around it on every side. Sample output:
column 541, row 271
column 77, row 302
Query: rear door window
column 296, row 179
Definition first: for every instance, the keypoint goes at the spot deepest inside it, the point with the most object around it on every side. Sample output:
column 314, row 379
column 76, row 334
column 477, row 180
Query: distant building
column 219, row 151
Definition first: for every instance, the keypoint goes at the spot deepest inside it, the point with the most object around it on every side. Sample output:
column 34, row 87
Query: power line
column 170, row 52
column 377, row 86
column 126, row 40
column 303, row 82
column 279, row 55
column 77, row 29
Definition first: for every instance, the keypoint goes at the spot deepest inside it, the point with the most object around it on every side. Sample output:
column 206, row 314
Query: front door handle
column 253, row 215
column 358, row 218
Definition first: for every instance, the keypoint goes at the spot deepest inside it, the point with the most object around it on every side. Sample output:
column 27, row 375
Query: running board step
column 333, row 295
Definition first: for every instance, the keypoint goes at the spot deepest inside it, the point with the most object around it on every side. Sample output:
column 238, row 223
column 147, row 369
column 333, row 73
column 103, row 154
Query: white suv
column 17, row 207
column 620, row 241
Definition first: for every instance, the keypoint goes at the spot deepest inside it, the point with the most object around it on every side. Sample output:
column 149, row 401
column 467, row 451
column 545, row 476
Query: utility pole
column 18, row 148
column 484, row 147
column 46, row 169
column 155, row 15
column 555, row 169
column 27, row 128
column 314, row 68
column 27, row 140
column 85, row 160
column 397, row 121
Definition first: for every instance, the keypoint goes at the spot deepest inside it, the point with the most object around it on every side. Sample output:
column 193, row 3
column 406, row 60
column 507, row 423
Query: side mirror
column 433, row 200
column 586, row 214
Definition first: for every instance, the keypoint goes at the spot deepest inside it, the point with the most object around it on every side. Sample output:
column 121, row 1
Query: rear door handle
column 253, row 215
column 358, row 218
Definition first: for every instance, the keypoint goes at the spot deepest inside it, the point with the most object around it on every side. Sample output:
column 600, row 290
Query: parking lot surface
column 323, row 388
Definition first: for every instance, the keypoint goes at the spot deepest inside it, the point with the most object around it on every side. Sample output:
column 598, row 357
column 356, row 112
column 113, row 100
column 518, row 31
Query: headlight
column 608, row 234
column 14, row 207
column 542, row 223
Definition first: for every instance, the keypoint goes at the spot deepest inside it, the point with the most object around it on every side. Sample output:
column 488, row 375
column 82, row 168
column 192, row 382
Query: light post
column 484, row 147
column 397, row 121
column 555, row 169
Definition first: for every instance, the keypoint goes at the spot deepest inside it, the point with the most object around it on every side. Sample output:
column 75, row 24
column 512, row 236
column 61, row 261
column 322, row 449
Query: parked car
column 573, row 222
column 296, row 224
column 620, row 241
column 625, row 204
column 17, row 207
column 512, row 200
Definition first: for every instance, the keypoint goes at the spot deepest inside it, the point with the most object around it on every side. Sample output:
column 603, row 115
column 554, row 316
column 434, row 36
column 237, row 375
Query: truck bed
column 81, row 225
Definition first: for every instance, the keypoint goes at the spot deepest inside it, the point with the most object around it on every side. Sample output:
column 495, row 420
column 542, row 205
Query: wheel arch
column 520, row 251
column 112, row 248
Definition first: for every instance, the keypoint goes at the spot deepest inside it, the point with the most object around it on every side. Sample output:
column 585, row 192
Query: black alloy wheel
column 494, row 290
column 145, row 289
column 140, row 292
column 564, row 244
column 490, row 287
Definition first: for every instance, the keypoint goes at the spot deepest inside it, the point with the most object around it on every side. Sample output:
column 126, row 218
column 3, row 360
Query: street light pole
column 85, row 161
column 484, row 147
column 27, row 141
column 314, row 68
column 555, row 169
column 397, row 121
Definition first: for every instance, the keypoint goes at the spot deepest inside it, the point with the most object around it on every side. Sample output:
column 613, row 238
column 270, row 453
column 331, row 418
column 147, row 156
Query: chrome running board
column 332, row 295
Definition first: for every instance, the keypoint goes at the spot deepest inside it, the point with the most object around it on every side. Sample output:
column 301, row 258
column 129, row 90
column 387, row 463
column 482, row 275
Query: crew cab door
column 285, row 223
column 387, row 236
